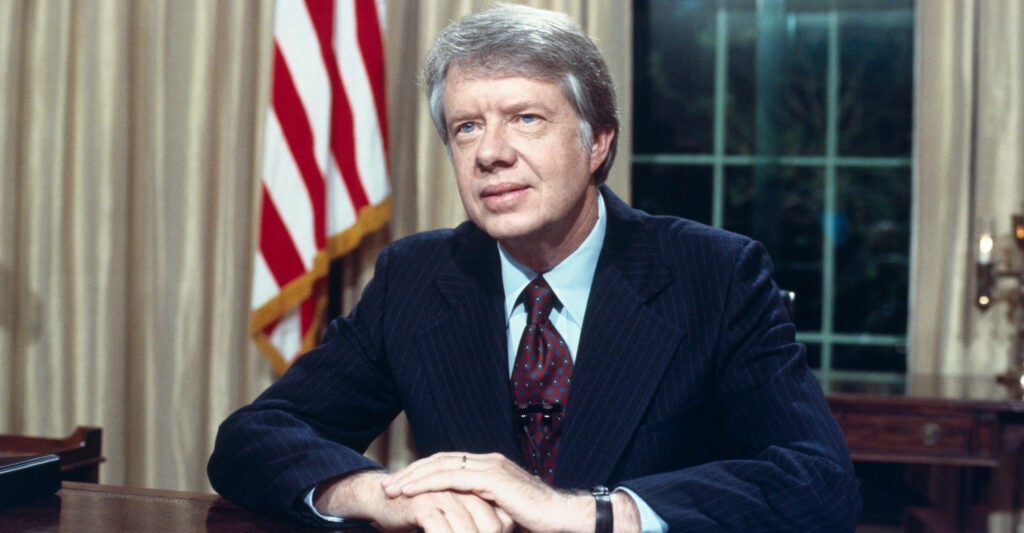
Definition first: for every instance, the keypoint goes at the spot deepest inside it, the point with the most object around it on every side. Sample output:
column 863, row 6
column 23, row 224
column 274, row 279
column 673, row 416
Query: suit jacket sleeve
column 271, row 452
column 782, row 464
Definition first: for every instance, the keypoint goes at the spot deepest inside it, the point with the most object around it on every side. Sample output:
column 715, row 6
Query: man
column 652, row 355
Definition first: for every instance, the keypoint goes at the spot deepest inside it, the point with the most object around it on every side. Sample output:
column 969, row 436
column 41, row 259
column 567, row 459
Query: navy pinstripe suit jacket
column 689, row 387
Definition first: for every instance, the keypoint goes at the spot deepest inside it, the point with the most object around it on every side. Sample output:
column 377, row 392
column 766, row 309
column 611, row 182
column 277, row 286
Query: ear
column 599, row 149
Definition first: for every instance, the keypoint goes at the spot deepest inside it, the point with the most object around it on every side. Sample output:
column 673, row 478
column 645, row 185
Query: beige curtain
column 129, row 147
column 127, row 191
column 969, row 163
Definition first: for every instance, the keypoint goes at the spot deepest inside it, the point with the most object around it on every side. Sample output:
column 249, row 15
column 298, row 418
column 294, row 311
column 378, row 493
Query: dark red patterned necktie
column 540, row 381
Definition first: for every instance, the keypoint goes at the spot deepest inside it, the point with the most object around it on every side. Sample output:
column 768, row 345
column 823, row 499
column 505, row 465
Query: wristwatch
column 603, row 522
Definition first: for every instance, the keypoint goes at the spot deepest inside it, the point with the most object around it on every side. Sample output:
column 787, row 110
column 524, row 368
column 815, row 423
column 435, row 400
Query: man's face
column 521, row 171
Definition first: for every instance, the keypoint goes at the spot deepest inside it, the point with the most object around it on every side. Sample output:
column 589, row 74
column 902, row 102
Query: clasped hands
column 459, row 492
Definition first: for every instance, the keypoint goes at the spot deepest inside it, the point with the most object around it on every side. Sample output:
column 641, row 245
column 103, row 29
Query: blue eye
column 528, row 119
column 466, row 127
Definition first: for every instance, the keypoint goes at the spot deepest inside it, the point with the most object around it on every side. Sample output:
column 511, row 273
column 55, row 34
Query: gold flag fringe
column 370, row 219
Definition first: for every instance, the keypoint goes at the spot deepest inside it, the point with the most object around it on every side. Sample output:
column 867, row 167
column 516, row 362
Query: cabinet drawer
column 868, row 433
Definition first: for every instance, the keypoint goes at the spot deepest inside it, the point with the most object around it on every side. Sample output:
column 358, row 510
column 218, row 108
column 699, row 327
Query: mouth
column 503, row 194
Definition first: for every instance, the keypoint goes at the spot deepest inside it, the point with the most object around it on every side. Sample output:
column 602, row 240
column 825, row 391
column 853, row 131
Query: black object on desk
column 27, row 478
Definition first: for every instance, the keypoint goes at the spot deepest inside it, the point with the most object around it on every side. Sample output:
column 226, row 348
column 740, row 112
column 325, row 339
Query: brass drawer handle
column 930, row 433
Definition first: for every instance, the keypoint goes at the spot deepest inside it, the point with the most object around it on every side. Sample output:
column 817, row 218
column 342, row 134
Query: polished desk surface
column 982, row 390
column 87, row 507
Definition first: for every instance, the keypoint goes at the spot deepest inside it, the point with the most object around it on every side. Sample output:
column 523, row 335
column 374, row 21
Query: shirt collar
column 570, row 280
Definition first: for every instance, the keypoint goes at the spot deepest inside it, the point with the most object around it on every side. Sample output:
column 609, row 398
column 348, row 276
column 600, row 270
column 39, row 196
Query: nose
column 494, row 150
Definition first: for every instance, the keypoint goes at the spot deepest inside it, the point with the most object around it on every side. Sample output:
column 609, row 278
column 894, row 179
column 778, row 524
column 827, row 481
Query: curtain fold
column 968, row 164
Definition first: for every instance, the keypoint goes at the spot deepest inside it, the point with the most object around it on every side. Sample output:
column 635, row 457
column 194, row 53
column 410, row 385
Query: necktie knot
column 539, row 299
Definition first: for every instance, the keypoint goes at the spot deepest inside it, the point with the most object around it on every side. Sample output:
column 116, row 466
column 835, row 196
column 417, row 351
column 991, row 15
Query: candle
column 1018, row 229
column 985, row 266
column 985, row 249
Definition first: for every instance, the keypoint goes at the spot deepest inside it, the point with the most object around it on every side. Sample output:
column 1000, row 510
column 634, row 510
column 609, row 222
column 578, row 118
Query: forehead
column 464, row 86
column 500, row 67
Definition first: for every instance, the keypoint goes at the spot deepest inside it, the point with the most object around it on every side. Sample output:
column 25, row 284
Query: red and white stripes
column 325, row 179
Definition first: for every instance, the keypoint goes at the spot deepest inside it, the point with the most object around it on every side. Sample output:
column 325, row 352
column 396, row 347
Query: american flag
column 325, row 177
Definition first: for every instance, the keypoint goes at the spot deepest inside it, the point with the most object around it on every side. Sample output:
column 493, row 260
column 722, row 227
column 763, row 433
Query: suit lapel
column 468, row 364
column 624, row 349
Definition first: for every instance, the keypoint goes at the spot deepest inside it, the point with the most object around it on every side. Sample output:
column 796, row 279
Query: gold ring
column 463, row 462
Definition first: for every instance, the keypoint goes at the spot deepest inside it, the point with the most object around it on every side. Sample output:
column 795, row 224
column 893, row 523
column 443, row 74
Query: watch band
column 603, row 519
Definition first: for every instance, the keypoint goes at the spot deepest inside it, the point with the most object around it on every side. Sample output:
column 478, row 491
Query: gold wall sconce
column 989, row 272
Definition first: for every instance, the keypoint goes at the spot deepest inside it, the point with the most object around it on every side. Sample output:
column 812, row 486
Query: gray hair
column 535, row 43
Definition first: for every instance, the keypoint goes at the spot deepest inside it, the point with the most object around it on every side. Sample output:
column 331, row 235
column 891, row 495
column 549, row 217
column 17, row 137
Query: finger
column 432, row 466
column 426, row 464
column 430, row 513
column 484, row 515
column 449, row 480
column 508, row 525
column 484, row 475
column 456, row 514
column 435, row 521
column 430, row 463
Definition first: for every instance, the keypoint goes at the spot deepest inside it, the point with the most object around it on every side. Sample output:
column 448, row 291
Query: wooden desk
column 935, row 420
column 85, row 507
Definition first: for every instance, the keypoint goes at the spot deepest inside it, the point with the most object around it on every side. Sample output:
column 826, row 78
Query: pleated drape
column 129, row 135
column 968, row 165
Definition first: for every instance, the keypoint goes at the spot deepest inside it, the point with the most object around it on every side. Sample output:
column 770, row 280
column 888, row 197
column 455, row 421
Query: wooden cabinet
column 936, row 420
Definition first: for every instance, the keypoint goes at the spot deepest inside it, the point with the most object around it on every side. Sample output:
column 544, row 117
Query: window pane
column 777, row 68
column 876, row 63
column 872, row 251
column 683, row 191
column 804, row 103
column 741, row 106
column 674, row 81
column 813, row 354
column 785, row 205
column 740, row 200
column 870, row 358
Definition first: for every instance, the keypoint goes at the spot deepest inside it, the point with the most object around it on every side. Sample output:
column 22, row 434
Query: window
column 790, row 121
